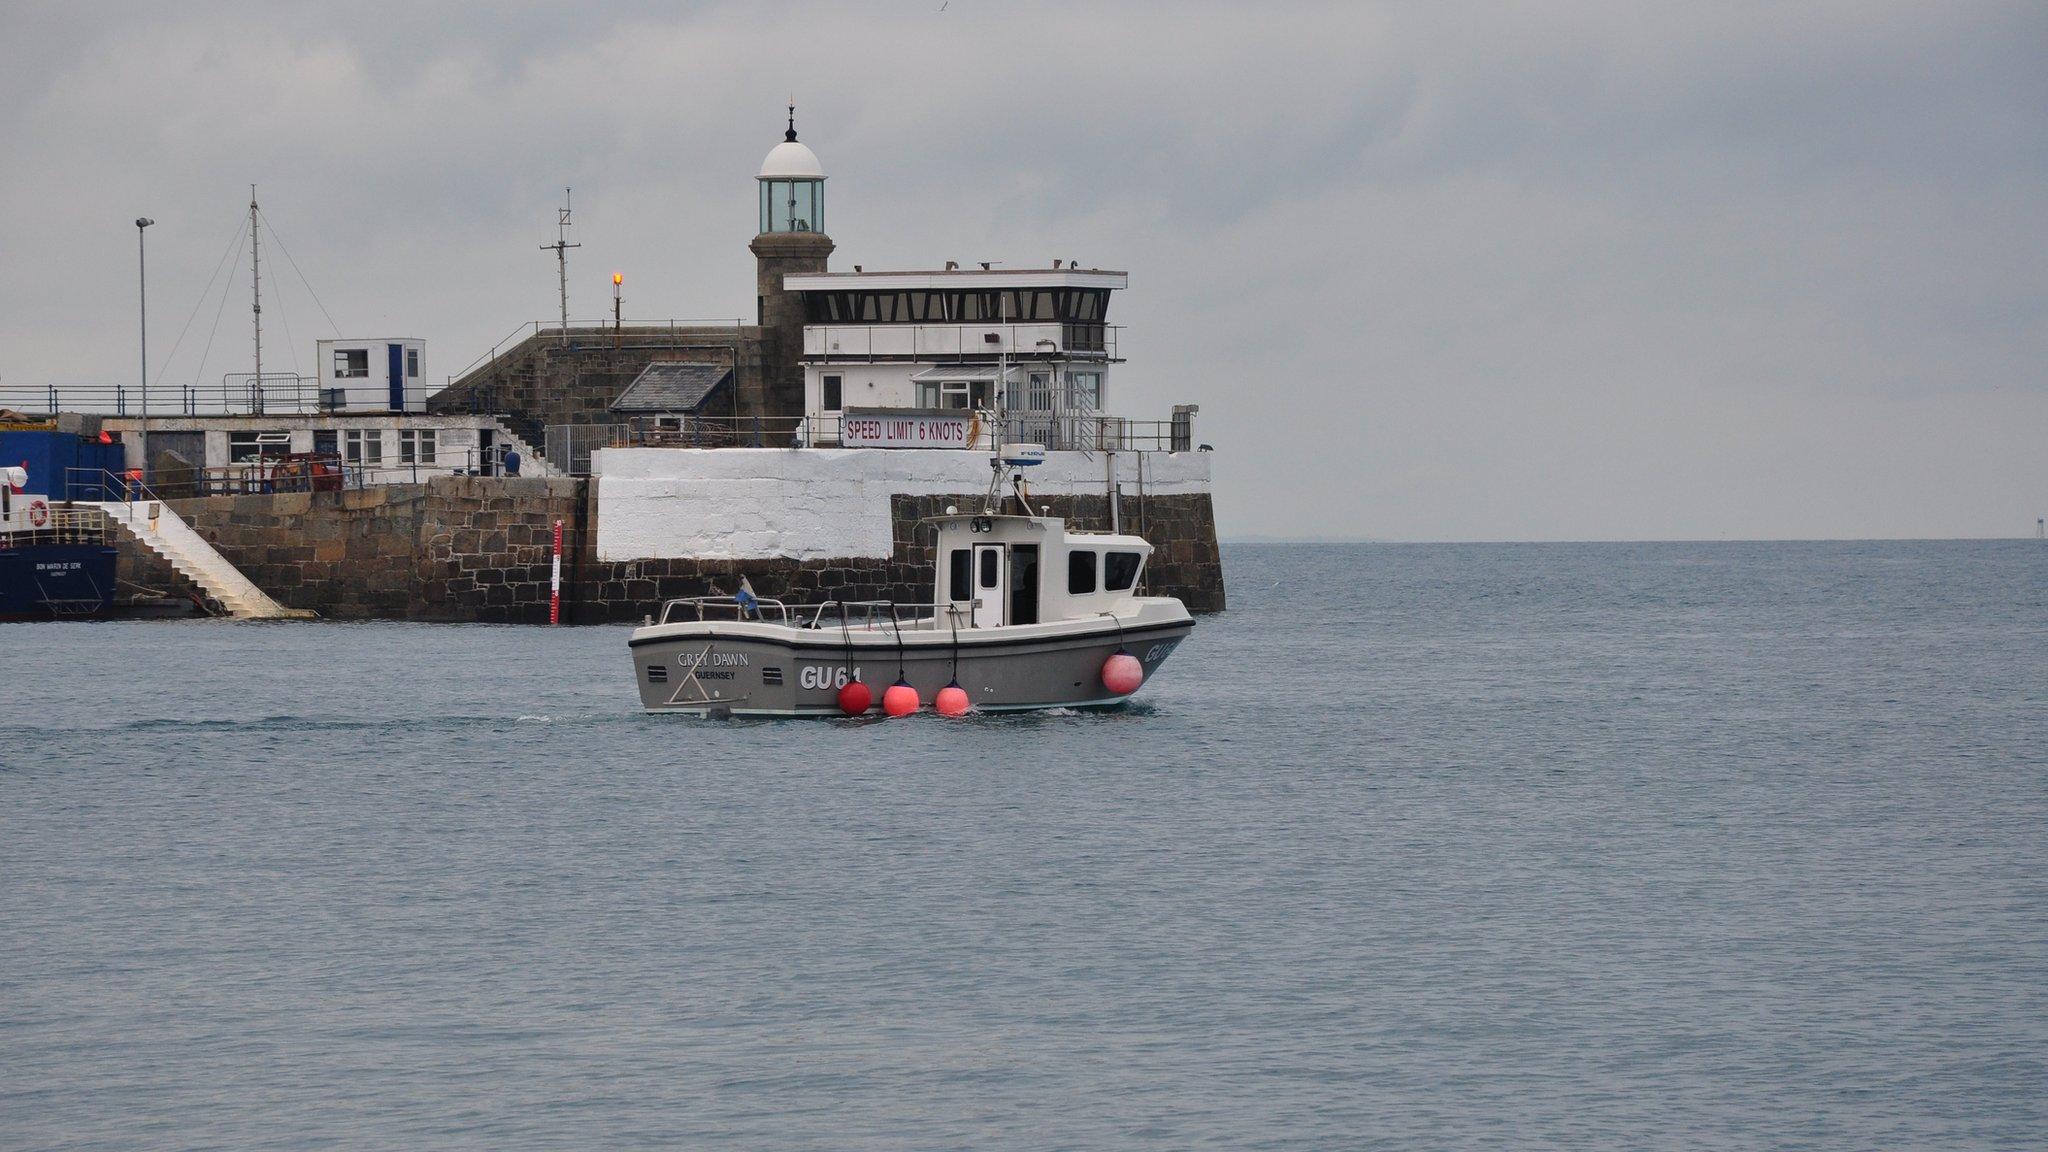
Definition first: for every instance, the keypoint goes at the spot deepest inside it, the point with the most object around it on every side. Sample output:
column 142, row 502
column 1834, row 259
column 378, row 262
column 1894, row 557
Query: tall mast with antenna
column 256, row 297
column 561, row 248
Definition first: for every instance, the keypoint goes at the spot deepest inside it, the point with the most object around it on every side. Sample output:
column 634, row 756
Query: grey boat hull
column 751, row 669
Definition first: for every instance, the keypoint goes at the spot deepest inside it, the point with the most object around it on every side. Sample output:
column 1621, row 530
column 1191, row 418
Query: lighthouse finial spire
column 791, row 134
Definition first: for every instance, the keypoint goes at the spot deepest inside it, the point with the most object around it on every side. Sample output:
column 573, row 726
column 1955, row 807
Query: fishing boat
column 55, row 558
column 1025, row 613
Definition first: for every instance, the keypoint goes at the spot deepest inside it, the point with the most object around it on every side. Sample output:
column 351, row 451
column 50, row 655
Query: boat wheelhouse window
column 1120, row 570
column 832, row 390
column 1080, row 572
column 988, row 569
column 960, row 577
column 1023, row 584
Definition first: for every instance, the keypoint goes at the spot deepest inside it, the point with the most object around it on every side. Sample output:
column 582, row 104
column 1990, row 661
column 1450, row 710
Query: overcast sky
column 1432, row 271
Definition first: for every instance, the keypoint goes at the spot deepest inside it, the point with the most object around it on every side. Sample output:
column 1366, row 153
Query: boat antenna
column 1002, row 384
column 846, row 637
column 561, row 248
column 896, row 621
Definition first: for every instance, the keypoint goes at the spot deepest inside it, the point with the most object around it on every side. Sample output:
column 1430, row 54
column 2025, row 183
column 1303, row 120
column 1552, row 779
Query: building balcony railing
column 922, row 342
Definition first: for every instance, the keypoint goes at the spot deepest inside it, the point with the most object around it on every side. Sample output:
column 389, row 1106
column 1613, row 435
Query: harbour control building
column 802, row 449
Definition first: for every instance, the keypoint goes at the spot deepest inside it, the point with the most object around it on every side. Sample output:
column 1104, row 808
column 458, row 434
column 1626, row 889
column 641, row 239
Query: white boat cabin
column 996, row 571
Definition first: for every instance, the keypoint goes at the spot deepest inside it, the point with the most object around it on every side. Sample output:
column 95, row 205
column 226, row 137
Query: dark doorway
column 1023, row 584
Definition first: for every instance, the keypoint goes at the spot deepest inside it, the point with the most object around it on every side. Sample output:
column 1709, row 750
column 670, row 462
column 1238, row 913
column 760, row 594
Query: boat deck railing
column 857, row 615
column 885, row 615
column 68, row 524
column 723, row 608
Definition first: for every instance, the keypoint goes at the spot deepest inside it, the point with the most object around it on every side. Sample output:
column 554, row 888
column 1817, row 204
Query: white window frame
column 363, row 447
column 953, row 395
column 418, row 446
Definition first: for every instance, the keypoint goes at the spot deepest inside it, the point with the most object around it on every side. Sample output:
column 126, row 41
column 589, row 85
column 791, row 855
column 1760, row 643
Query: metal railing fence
column 238, row 394
column 569, row 446
column 67, row 524
column 960, row 340
column 268, row 475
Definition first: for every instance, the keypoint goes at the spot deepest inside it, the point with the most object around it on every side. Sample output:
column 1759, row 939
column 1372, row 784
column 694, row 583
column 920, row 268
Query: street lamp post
column 142, row 291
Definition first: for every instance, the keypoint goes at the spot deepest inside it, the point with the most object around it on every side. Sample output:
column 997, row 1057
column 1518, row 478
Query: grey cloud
column 1580, row 270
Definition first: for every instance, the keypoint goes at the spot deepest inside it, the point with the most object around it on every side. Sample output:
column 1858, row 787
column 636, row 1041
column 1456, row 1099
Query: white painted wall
column 819, row 503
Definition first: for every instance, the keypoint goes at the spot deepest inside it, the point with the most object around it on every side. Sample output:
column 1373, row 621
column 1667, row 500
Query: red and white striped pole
column 555, row 580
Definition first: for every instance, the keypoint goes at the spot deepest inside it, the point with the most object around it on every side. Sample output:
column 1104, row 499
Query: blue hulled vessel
column 55, row 558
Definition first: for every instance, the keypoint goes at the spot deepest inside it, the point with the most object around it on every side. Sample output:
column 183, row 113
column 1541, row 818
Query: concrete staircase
column 532, row 463
column 165, row 532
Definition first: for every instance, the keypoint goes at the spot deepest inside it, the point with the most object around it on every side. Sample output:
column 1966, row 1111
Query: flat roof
column 958, row 278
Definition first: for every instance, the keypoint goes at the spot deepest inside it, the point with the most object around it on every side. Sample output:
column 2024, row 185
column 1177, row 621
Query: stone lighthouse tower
column 792, row 239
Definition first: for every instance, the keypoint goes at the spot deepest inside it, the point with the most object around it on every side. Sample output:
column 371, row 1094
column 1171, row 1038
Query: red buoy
column 952, row 700
column 855, row 698
column 900, row 699
column 1122, row 674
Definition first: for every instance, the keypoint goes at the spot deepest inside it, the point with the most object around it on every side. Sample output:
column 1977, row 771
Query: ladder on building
column 165, row 532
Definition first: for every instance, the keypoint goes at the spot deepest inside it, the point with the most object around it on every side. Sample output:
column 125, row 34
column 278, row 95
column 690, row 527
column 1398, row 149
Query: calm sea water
column 1597, row 846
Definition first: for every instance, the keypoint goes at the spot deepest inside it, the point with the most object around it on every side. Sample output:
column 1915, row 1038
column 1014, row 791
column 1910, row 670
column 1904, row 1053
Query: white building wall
column 862, row 385
column 372, row 393
column 456, row 440
column 819, row 503
column 894, row 386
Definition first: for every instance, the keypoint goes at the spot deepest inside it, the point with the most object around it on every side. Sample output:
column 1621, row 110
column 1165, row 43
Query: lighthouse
column 792, row 241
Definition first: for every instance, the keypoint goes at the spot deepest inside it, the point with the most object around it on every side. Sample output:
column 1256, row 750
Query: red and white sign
column 908, row 428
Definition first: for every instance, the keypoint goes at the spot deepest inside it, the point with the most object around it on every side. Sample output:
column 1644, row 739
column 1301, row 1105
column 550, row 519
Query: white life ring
column 38, row 513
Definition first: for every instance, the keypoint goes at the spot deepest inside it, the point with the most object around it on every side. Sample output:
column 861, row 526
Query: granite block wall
column 456, row 548
column 472, row 548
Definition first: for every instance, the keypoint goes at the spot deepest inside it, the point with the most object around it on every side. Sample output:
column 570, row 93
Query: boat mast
column 995, row 460
column 256, row 300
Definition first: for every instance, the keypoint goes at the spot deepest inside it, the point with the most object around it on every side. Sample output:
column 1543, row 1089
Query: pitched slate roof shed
column 673, row 387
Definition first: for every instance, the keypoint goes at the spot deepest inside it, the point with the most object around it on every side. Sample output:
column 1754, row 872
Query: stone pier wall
column 457, row 548
column 463, row 548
